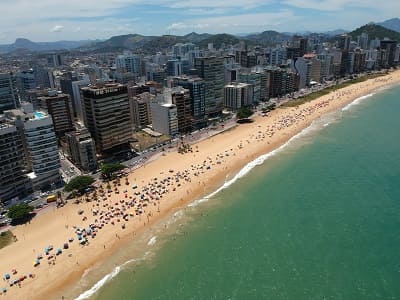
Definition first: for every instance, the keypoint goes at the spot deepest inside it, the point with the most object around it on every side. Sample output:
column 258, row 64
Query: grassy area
column 317, row 94
column 146, row 141
column 6, row 238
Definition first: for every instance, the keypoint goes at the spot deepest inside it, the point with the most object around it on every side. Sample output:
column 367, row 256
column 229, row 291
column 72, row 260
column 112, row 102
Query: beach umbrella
column 4, row 290
column 39, row 256
column 59, row 251
column 7, row 276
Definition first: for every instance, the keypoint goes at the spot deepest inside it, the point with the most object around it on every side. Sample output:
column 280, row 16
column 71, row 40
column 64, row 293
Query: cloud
column 219, row 3
column 185, row 26
column 384, row 7
column 57, row 28
column 238, row 22
column 103, row 18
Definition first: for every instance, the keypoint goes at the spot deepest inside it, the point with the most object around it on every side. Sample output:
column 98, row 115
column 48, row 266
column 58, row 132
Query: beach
column 175, row 179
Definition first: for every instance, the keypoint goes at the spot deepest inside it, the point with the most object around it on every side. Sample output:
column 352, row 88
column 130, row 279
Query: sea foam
column 256, row 162
column 99, row 284
column 357, row 101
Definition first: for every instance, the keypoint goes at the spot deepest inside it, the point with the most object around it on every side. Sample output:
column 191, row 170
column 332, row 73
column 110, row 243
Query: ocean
column 317, row 219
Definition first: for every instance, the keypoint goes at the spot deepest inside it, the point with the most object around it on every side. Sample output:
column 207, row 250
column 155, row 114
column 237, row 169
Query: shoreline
column 235, row 149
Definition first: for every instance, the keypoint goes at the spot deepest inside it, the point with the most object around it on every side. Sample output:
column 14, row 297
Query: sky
column 54, row 20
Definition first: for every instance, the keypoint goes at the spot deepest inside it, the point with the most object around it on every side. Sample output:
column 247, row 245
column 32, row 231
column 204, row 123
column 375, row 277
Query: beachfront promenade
column 84, row 234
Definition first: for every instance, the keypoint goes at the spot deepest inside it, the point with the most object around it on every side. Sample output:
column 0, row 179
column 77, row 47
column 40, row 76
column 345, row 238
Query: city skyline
column 45, row 20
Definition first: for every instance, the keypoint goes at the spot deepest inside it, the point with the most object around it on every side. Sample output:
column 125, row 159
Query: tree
column 79, row 183
column 244, row 112
column 108, row 170
column 19, row 212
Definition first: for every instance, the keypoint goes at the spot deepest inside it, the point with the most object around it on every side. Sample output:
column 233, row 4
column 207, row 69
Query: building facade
column 106, row 115
column 211, row 69
column 81, row 148
column 14, row 181
column 238, row 95
column 60, row 109
column 164, row 118
column 8, row 92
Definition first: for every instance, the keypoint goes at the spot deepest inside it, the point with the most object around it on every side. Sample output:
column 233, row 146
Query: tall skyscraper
column 197, row 89
column 390, row 47
column 106, row 115
column 129, row 63
column 59, row 107
column 8, row 92
column 164, row 118
column 26, row 81
column 238, row 95
column 174, row 67
column 344, row 42
column 14, row 181
column 40, row 144
column 211, row 69
column 181, row 98
column 140, row 109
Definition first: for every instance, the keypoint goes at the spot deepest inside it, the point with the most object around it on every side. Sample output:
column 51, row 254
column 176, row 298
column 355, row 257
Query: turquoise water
column 320, row 220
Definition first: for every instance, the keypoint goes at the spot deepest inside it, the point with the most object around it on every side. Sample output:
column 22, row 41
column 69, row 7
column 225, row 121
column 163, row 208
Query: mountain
column 218, row 39
column 335, row 32
column 162, row 42
column 375, row 31
column 393, row 24
column 194, row 37
column 22, row 43
column 151, row 44
column 127, row 41
column 268, row 38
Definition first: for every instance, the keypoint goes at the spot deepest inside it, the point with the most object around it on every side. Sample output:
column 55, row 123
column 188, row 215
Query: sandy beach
column 122, row 214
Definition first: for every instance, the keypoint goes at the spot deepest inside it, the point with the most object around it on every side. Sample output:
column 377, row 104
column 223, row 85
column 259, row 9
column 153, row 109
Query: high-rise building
column 129, row 63
column 174, row 67
column 26, row 81
column 164, row 118
column 8, row 92
column 390, row 47
column 182, row 100
column 40, row 143
column 281, row 82
column 55, row 60
column 362, row 41
column 238, row 95
column 258, row 80
column 140, row 109
column 81, row 148
column 344, row 42
column 59, row 107
column 196, row 87
column 137, row 89
column 14, row 181
column 106, row 115
column 211, row 69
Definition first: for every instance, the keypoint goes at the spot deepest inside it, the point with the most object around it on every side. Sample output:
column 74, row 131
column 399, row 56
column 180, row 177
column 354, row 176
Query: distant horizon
column 74, row 20
column 240, row 34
